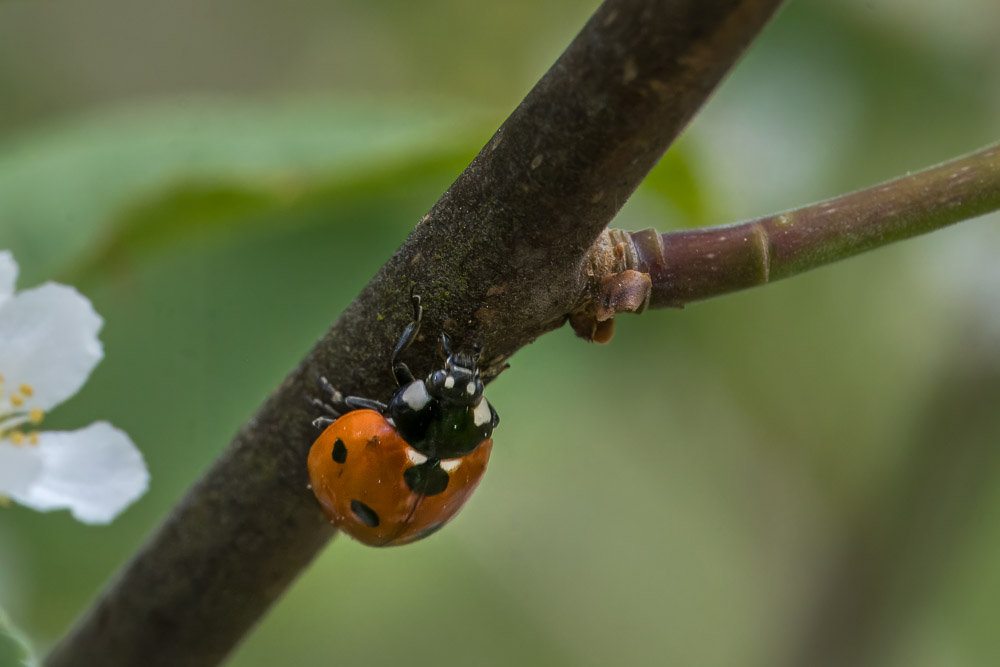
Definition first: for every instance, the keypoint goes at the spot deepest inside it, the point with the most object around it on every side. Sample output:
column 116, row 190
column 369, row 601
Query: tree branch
column 630, row 271
column 497, row 259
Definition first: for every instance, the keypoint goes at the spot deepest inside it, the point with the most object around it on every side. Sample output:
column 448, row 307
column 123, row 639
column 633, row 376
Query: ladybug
column 391, row 474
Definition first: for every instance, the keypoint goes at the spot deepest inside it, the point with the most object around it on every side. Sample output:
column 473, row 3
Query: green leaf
column 14, row 650
column 62, row 189
column 674, row 181
column 216, row 211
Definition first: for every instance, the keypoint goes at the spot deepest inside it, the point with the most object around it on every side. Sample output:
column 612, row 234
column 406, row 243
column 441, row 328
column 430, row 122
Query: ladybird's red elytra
column 393, row 473
column 365, row 492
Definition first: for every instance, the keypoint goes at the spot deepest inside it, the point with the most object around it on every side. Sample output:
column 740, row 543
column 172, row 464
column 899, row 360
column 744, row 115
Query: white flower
column 48, row 347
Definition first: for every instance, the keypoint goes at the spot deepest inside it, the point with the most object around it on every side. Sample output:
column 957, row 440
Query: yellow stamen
column 17, row 438
column 33, row 438
column 36, row 415
column 26, row 389
column 16, row 400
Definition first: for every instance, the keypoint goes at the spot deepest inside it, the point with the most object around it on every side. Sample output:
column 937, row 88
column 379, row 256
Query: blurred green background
column 803, row 474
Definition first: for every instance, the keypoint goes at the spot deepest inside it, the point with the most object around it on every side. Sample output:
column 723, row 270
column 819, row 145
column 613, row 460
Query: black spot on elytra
column 339, row 451
column 365, row 514
column 427, row 479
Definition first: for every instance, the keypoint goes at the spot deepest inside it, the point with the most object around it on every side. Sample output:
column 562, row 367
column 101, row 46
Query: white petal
column 95, row 472
column 19, row 467
column 48, row 339
column 8, row 275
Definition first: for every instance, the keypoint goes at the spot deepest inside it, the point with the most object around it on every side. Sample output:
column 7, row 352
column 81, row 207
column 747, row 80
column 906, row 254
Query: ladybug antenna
column 446, row 350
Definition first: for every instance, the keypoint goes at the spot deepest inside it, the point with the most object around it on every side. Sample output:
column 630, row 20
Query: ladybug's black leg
column 343, row 406
column 338, row 404
column 358, row 403
column 445, row 350
column 322, row 422
column 324, row 406
column 335, row 405
column 328, row 388
column 400, row 371
column 445, row 345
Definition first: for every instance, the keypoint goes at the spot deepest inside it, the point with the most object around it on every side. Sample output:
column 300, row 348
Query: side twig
column 630, row 271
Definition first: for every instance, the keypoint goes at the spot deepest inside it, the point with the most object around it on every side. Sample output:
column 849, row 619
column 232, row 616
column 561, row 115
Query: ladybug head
column 458, row 382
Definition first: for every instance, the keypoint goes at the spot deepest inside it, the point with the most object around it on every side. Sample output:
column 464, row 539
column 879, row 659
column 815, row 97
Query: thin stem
column 698, row 264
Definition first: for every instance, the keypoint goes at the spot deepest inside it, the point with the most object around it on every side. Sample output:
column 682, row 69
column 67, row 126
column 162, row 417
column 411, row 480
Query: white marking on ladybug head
column 470, row 389
column 415, row 396
column 416, row 458
column 450, row 465
column 483, row 414
column 449, row 382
